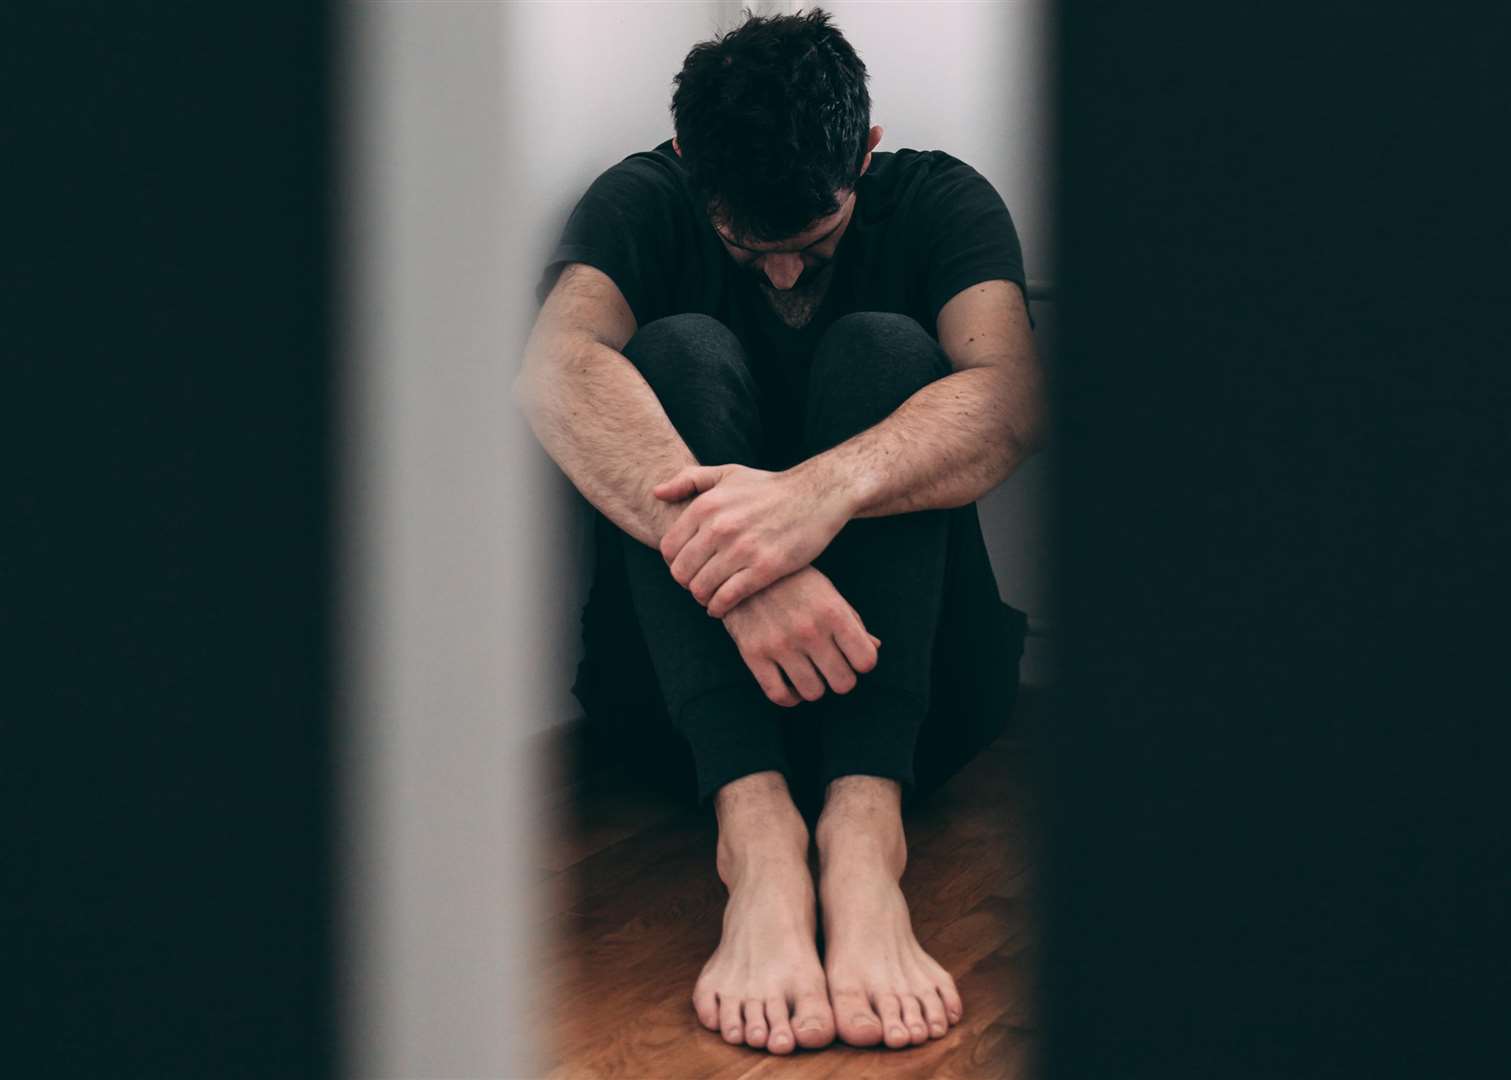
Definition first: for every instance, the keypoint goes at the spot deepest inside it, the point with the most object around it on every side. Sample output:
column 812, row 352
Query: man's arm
column 947, row 445
column 960, row 436
column 592, row 410
column 601, row 422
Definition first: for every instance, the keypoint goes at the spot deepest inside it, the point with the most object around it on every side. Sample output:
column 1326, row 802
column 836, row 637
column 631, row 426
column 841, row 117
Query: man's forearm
column 946, row 446
column 602, row 424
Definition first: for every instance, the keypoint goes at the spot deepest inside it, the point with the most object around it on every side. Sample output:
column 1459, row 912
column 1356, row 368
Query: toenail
column 862, row 1018
column 733, row 1033
column 756, row 1033
column 899, row 1031
column 811, row 1024
column 938, row 1029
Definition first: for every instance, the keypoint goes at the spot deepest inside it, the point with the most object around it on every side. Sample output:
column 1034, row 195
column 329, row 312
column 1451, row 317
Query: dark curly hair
column 771, row 119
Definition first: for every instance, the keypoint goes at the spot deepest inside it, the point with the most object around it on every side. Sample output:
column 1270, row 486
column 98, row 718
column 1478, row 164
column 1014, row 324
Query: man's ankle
column 862, row 819
column 757, row 821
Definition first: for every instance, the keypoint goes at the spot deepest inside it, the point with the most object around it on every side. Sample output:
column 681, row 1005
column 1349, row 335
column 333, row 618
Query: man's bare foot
column 883, row 986
column 764, row 985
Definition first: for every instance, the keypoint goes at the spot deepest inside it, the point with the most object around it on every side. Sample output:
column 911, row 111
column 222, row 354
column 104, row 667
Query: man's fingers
column 801, row 673
column 837, row 672
column 674, row 490
column 859, row 648
column 681, row 532
column 742, row 583
column 693, row 557
column 861, row 623
column 705, row 584
column 770, row 677
column 688, row 482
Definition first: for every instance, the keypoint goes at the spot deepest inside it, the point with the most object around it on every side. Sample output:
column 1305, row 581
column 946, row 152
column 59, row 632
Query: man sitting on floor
column 782, row 367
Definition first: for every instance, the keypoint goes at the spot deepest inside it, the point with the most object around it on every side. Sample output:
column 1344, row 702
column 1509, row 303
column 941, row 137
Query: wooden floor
column 634, row 911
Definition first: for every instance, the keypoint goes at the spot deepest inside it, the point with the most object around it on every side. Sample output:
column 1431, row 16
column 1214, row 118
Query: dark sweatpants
column 946, row 672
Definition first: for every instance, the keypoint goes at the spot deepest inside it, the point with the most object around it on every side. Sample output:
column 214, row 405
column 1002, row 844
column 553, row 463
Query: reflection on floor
column 634, row 910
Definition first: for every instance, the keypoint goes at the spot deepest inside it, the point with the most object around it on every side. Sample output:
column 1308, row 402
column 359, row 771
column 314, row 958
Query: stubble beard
column 808, row 285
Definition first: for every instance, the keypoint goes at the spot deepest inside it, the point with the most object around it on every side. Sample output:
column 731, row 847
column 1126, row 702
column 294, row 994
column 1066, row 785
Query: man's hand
column 746, row 528
column 803, row 627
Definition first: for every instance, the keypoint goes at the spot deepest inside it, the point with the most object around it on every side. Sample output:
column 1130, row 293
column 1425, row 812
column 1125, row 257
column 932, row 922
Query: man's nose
column 783, row 270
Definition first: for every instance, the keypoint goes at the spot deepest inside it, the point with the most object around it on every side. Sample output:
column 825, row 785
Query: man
column 782, row 366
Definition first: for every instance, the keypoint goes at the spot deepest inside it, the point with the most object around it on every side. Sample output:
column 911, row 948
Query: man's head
column 773, row 125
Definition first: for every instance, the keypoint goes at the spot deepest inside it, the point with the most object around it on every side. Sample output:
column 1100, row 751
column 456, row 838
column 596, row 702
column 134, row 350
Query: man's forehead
column 807, row 238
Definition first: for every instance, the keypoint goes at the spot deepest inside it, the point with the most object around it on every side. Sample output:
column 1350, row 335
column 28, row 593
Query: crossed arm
column 947, row 445
column 742, row 539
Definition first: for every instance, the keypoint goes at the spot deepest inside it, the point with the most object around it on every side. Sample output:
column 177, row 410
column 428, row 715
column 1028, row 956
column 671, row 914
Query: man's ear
column 872, row 138
column 676, row 147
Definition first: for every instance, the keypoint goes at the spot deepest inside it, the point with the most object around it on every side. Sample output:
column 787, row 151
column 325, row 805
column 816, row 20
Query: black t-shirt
column 926, row 225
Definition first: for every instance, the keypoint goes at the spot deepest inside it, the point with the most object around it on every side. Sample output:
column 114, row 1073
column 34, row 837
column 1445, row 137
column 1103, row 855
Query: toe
column 953, row 1006
column 933, row 1012
column 814, row 1020
column 780, row 1040
column 729, row 1020
column 755, row 1023
column 706, row 1005
column 857, row 1022
column 912, row 1019
column 890, row 1011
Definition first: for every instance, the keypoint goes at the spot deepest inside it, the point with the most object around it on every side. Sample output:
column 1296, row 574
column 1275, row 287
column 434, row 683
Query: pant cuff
column 872, row 731
column 733, row 732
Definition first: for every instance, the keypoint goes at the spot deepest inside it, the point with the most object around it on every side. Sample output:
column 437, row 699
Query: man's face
column 796, row 265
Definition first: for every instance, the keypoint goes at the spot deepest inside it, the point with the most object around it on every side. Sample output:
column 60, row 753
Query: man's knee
column 699, row 373
column 867, row 364
column 679, row 350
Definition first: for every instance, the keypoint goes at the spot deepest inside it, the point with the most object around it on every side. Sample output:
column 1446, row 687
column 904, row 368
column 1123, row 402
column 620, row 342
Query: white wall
column 969, row 78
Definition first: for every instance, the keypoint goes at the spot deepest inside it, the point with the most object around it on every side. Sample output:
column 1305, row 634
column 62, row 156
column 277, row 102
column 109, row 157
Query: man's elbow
column 1027, row 427
column 523, row 391
column 530, row 389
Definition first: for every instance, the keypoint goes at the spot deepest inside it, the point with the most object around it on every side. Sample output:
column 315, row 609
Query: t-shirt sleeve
column 629, row 224
column 966, row 235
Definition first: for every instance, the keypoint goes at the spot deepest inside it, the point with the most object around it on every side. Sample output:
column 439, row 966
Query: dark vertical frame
column 168, row 573
column 1275, row 842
